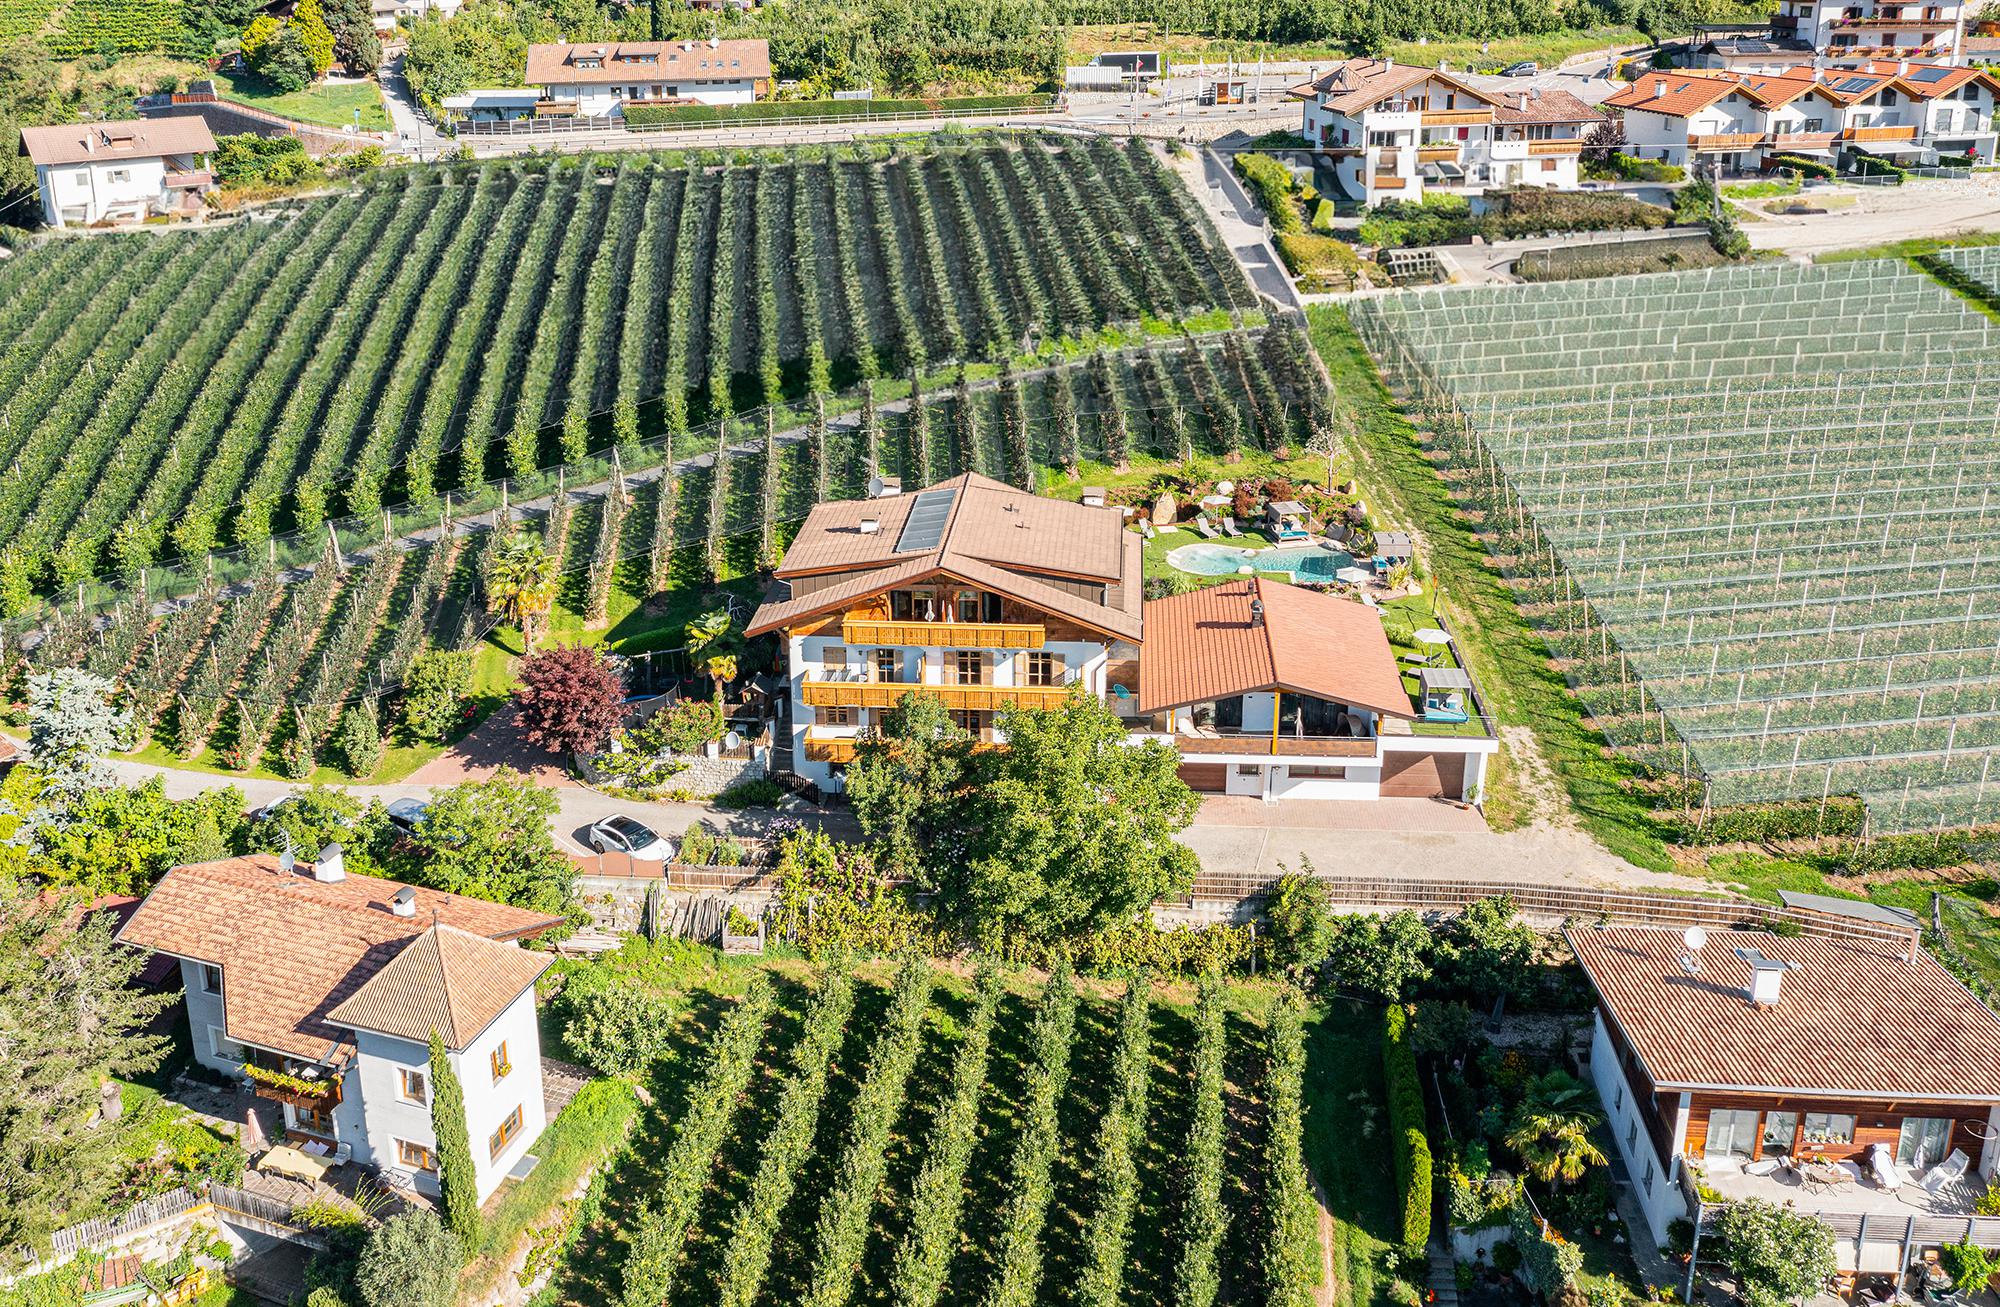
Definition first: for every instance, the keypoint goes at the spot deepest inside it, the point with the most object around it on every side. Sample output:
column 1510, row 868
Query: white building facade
column 601, row 80
column 88, row 173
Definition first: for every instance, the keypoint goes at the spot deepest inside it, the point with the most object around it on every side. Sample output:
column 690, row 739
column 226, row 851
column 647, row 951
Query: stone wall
column 703, row 777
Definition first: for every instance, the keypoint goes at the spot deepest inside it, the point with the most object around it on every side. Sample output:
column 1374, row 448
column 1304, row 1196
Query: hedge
column 658, row 115
column 1803, row 166
column 1634, row 169
column 1870, row 165
column 1273, row 186
column 1406, row 1126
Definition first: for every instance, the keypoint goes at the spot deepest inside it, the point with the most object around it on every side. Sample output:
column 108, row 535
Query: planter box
column 751, row 944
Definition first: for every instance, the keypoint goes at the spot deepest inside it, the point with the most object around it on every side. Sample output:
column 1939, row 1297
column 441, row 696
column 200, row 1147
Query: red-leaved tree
column 569, row 698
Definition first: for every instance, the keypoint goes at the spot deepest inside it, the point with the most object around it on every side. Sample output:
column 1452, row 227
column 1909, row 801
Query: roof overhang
column 903, row 578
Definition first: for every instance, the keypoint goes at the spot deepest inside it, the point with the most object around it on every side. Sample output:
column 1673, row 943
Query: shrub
column 1550, row 1265
column 616, row 1027
column 360, row 740
column 1321, row 263
column 1803, row 166
column 1433, row 220
column 1406, row 1125
column 434, row 693
column 689, row 725
column 1272, row 185
column 1633, row 169
column 1322, row 219
column 1872, row 165
column 1300, row 929
column 410, row 1260
column 570, row 699
column 760, row 792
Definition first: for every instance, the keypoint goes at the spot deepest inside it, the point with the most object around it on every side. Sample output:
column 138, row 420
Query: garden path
column 495, row 743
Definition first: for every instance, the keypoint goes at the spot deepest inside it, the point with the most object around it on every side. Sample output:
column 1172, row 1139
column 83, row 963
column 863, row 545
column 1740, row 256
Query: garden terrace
column 440, row 327
column 1755, row 508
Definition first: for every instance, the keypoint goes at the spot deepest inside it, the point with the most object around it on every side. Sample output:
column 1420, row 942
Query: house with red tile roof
column 322, row 990
column 1848, row 1073
column 599, row 79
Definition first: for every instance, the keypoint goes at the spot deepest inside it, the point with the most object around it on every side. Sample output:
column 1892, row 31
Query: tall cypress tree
column 460, row 1188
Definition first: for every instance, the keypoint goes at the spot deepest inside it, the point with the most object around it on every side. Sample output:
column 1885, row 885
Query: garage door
column 1422, row 775
column 1204, row 777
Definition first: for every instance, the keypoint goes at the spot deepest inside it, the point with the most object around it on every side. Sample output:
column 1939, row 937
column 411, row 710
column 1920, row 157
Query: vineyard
column 80, row 27
column 1751, row 508
column 967, row 1144
column 285, row 648
column 441, row 328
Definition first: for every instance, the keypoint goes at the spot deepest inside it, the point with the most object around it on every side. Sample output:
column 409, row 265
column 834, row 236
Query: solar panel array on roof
column 1928, row 74
column 924, row 527
column 1850, row 85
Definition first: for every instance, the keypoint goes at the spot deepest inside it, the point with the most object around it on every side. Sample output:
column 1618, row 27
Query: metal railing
column 846, row 119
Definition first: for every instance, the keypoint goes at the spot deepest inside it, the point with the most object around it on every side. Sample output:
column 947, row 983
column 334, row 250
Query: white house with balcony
column 1395, row 131
column 1862, row 29
column 599, row 80
column 322, row 989
column 123, row 171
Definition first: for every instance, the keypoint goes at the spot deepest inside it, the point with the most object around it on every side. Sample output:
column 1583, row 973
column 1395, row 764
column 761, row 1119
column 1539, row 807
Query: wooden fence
column 752, row 879
column 134, row 1220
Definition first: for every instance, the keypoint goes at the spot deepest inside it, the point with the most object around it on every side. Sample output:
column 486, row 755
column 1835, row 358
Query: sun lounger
column 1146, row 529
column 1201, row 525
column 1881, row 1168
column 1950, row 1169
column 1229, row 527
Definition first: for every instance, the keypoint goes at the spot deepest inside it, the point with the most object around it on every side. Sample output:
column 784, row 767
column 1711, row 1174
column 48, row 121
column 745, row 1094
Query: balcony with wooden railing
column 1440, row 153
column 1727, row 141
column 1890, row 133
column 1572, row 146
column 959, row 698
column 1455, row 117
column 1929, row 23
column 1803, row 140
column 942, row 635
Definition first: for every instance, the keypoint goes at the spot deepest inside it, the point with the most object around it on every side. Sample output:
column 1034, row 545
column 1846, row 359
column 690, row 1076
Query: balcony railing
column 942, row 635
column 1896, row 24
column 824, row 746
column 1803, row 140
column 1438, row 153
column 1265, row 744
column 186, row 181
column 1727, row 141
column 961, row 698
column 1555, row 147
column 1455, row 117
column 1880, row 133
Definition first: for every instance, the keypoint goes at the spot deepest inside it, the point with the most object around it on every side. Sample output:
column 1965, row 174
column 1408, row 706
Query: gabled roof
column 1355, row 84
column 1204, row 645
column 975, row 529
column 292, row 948
column 637, row 61
column 446, row 979
column 1927, row 81
column 131, row 138
column 1854, row 1020
column 1676, row 94
column 1549, row 106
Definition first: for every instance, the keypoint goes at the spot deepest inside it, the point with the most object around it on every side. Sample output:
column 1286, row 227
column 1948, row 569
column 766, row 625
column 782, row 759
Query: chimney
column 871, row 525
column 405, row 902
column 1388, row 64
column 331, row 868
column 1767, row 976
column 1902, row 68
column 1256, row 613
column 1659, row 90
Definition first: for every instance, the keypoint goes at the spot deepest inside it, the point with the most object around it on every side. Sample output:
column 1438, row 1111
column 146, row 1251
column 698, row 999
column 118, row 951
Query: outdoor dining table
column 1820, row 1176
column 291, row 1162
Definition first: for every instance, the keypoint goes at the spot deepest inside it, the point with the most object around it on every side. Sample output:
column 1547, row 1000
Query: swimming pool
column 1305, row 563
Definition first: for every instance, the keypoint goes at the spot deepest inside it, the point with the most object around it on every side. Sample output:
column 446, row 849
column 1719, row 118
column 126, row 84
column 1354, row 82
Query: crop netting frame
column 1754, row 511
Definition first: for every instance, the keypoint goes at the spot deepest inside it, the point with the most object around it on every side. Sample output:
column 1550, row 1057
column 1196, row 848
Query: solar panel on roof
column 1929, row 74
column 924, row 527
column 1852, row 84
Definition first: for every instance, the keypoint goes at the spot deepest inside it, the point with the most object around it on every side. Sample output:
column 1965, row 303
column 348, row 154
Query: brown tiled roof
column 1356, row 84
column 1201, row 645
column 292, row 948
column 678, row 61
column 132, row 138
column 446, row 979
column 1949, row 80
column 1676, row 94
column 1551, row 106
column 995, row 536
column 1854, row 1020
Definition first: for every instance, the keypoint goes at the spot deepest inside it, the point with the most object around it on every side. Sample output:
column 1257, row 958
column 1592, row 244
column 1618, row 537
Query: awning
column 1892, row 147
column 1440, row 172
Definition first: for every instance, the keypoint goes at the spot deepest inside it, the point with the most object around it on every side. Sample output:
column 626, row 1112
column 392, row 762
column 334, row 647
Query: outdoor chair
column 1201, row 524
column 1950, row 1169
column 1881, row 1167
column 1229, row 526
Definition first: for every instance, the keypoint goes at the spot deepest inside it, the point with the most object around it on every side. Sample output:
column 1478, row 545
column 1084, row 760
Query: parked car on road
column 1526, row 68
column 631, row 837
column 408, row 814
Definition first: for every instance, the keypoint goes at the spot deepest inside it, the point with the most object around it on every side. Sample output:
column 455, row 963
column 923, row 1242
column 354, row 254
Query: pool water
column 1305, row 563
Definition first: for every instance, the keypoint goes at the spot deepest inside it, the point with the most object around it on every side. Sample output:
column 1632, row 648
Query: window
column 900, row 607
column 1648, row 1181
column 971, row 722
column 1781, row 1132
column 834, row 716
column 833, row 658
column 1248, row 769
column 1813, row 125
column 1731, row 1132
column 1297, row 772
column 1923, row 1141
column 505, row 1134
column 119, row 175
column 1618, row 1096
column 1548, row 165
column 888, row 665
column 968, row 605
column 223, row 1046
column 1043, row 669
column 414, row 1156
column 989, row 607
column 1632, row 1136
column 413, row 1086
column 968, row 667
column 211, row 979
column 313, row 1120
column 498, row 1060
column 1828, row 1128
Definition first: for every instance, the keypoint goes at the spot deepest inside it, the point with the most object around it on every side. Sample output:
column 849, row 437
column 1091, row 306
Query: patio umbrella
column 252, row 1137
column 1353, row 575
column 1431, row 635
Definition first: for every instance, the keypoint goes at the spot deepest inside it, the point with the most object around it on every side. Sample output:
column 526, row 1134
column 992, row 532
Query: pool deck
column 1263, row 559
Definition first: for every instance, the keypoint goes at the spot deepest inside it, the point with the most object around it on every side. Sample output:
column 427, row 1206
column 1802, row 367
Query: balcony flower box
column 296, row 1091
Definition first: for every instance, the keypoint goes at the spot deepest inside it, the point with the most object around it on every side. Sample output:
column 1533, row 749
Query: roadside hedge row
column 1761, row 822
column 1634, row 169
column 1804, row 166
column 676, row 115
column 1406, row 1128
column 1271, row 182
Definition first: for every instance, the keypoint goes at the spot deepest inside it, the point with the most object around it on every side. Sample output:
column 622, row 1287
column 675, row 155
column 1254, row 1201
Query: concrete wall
column 83, row 193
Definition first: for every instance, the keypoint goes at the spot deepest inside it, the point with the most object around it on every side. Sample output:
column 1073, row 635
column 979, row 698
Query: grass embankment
column 1347, row 1146
column 1545, row 48
column 1505, row 654
column 326, row 104
column 1912, row 248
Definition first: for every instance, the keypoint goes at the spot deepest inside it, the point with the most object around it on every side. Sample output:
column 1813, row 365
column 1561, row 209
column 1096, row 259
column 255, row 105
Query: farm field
column 923, row 1137
column 1751, row 508
column 285, row 650
column 440, row 328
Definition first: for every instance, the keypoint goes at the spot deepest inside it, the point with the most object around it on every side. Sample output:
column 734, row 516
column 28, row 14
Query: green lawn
column 326, row 105
column 1506, row 656
column 1911, row 248
column 1347, row 1144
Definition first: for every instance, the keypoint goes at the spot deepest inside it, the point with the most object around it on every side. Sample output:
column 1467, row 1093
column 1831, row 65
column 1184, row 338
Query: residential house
column 323, row 988
column 1703, row 117
column 1393, row 131
column 1277, row 692
column 1858, row 29
column 599, row 80
column 121, row 171
column 971, row 591
column 388, row 11
column 1846, row 1073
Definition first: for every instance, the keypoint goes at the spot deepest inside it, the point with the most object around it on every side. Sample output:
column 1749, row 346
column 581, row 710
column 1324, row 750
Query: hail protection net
column 1756, row 509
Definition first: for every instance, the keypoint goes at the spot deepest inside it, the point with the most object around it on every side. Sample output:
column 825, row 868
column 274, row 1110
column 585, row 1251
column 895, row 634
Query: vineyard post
column 333, row 540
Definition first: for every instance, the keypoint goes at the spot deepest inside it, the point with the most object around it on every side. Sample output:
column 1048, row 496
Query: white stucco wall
column 205, row 1020
column 100, row 188
column 1658, row 1195
column 596, row 100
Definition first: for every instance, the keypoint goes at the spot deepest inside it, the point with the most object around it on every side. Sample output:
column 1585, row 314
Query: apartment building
column 123, row 171
column 974, row 592
column 599, row 80
column 1738, row 119
column 1394, row 131
column 1859, row 29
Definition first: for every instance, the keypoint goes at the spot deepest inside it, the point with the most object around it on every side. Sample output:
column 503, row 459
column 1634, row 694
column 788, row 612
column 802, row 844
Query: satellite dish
column 1694, row 937
column 1690, row 964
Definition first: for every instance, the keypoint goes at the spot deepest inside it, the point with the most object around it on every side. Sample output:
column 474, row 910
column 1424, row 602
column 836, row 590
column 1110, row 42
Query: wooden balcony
column 1438, row 153
column 1803, row 140
column 1555, row 147
column 942, row 635
column 960, row 698
column 1880, row 133
column 1727, row 141
column 825, row 747
column 1455, row 117
column 557, row 108
column 1932, row 24
column 1384, row 182
column 1261, row 745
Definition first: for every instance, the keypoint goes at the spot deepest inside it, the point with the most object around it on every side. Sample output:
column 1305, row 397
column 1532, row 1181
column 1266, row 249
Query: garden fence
column 94, row 1235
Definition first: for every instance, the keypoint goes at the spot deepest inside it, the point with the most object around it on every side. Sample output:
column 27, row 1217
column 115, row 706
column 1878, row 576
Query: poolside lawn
column 326, row 104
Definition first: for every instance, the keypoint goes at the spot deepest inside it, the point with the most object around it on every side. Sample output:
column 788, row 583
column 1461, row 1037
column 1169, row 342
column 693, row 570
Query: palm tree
column 723, row 668
column 521, row 585
column 705, row 630
column 1551, row 1130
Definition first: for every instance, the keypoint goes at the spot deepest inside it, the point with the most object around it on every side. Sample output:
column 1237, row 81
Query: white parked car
column 633, row 838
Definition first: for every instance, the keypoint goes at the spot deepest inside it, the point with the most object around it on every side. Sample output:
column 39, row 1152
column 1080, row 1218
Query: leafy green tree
column 1551, row 1129
column 284, row 61
column 906, row 783
column 411, row 1260
column 614, row 1025
column 71, row 726
column 458, row 1183
column 434, row 693
column 1487, row 951
column 309, row 21
column 1384, row 956
column 117, row 839
column 355, row 44
column 571, row 699
column 521, row 584
column 68, row 1020
column 1299, row 922
column 320, row 815
column 360, row 739
column 490, row 839
column 1779, row 1255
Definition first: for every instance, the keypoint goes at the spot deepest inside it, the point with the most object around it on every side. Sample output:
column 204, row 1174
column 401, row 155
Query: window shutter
column 1056, row 669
